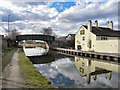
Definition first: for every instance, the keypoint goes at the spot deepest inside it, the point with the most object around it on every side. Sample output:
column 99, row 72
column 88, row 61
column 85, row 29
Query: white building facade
column 98, row 39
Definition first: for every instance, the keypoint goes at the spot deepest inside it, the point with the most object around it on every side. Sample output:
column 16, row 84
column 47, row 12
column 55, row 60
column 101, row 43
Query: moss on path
column 7, row 56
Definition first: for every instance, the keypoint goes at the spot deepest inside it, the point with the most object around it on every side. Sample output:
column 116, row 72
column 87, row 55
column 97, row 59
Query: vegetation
column 13, row 34
column 32, row 77
column 7, row 56
column 34, row 45
column 47, row 31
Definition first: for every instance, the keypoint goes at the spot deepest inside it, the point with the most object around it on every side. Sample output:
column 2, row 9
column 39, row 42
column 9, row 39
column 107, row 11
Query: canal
column 73, row 71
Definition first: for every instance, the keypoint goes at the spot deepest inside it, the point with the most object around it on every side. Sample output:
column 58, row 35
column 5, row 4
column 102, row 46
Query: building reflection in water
column 91, row 68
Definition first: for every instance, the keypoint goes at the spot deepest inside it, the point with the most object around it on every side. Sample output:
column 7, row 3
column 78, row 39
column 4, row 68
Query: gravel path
column 12, row 77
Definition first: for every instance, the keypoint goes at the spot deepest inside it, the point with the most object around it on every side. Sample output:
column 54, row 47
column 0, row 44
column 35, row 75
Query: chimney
column 90, row 25
column 96, row 23
column 108, row 24
column 111, row 25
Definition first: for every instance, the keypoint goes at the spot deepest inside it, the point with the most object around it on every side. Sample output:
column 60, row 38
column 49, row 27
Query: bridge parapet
column 35, row 37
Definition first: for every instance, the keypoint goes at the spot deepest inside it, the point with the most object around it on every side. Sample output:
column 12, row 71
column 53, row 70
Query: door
column 90, row 44
column 79, row 47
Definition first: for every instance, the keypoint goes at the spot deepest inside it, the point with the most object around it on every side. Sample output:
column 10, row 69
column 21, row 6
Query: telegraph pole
column 8, row 25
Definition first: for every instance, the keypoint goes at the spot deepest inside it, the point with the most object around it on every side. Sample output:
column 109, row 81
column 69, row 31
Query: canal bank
column 11, row 75
column 7, row 56
column 104, row 56
column 20, row 73
column 32, row 77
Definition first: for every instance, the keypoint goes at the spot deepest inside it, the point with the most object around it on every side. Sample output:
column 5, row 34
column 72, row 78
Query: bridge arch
column 47, row 38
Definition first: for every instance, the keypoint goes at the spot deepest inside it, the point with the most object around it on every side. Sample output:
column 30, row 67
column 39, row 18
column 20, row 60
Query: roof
column 61, row 38
column 35, row 35
column 73, row 35
column 103, row 31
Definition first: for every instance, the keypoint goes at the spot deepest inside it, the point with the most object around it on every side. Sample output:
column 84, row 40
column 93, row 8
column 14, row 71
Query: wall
column 109, row 46
column 0, row 46
column 4, row 44
column 91, row 65
column 112, row 45
column 84, row 44
column 78, row 38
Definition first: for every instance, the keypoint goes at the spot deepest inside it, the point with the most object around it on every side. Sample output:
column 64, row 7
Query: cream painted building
column 92, row 68
column 98, row 39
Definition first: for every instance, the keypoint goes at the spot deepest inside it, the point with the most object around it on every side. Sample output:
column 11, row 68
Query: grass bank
column 33, row 45
column 32, row 77
column 7, row 56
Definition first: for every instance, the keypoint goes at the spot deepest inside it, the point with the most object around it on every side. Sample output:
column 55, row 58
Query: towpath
column 12, row 78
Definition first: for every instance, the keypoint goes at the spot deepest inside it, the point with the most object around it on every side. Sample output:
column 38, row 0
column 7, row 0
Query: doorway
column 79, row 47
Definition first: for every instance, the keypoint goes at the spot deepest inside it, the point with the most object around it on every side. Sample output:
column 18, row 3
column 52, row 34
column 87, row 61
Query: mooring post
column 108, row 57
column 116, row 59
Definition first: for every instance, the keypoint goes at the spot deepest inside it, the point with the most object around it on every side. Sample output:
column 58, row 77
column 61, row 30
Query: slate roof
column 73, row 35
column 104, row 31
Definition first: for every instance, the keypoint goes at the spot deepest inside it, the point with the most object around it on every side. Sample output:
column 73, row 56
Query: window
column 78, row 42
column 104, row 38
column 90, row 43
column 81, row 70
column 82, row 32
column 83, row 38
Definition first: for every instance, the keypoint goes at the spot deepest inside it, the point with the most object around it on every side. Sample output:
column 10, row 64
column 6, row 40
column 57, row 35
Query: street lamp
column 8, row 25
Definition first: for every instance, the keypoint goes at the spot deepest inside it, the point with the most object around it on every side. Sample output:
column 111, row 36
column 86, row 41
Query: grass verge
column 7, row 56
column 32, row 77
column 33, row 45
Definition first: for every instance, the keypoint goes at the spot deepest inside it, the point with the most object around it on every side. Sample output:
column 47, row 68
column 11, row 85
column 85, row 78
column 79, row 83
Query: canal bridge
column 49, row 39
column 46, row 38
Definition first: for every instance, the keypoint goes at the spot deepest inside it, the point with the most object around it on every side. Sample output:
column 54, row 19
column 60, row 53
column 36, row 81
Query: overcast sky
column 64, row 17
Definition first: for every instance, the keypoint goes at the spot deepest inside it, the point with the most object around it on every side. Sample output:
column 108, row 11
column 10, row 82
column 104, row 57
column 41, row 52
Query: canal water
column 73, row 71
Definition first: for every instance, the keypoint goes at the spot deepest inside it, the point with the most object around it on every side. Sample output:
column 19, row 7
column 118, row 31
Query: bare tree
column 47, row 31
column 13, row 34
column 55, row 35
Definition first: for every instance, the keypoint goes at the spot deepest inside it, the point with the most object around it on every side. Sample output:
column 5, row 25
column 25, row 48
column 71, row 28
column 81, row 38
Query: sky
column 63, row 16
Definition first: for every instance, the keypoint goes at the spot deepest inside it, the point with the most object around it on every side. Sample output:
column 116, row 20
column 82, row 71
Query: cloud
column 33, row 51
column 13, row 17
column 46, row 70
column 27, row 18
column 70, row 20
column 64, row 71
column 91, row 11
column 23, row 11
column 31, row 17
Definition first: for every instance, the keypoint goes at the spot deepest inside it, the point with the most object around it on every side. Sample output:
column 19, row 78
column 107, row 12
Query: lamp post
column 8, row 25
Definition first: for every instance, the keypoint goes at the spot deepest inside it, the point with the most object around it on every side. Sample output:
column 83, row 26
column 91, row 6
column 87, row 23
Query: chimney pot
column 110, row 25
column 96, row 23
column 89, row 25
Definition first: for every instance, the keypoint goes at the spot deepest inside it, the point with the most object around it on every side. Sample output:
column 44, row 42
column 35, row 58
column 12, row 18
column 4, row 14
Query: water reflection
column 76, row 72
column 92, row 68
column 48, row 57
column 35, row 51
